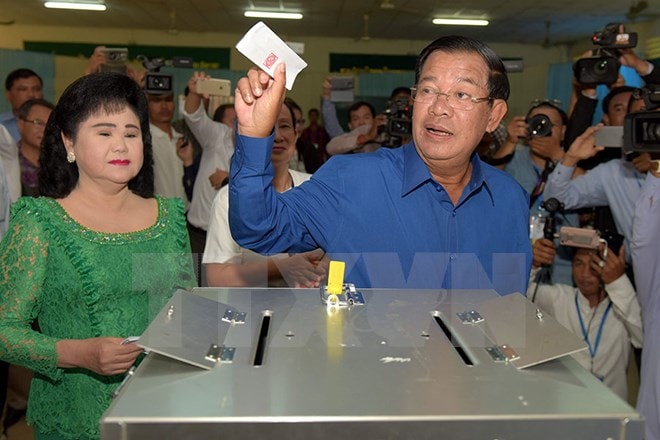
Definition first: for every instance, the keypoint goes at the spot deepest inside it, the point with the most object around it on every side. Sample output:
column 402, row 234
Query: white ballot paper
column 264, row 48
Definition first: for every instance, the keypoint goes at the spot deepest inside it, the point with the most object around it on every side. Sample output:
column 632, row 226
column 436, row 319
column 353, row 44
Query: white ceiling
column 520, row 21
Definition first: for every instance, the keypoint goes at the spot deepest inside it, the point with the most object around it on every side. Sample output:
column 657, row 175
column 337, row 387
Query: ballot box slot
column 262, row 338
column 453, row 338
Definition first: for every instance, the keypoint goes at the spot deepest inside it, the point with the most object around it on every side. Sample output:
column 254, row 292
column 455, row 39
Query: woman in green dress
column 92, row 260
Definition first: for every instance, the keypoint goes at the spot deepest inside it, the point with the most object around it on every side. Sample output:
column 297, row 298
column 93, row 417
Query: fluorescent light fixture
column 273, row 14
column 460, row 22
column 81, row 6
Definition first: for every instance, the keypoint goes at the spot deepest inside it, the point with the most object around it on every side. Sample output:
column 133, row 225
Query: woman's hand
column 258, row 101
column 106, row 356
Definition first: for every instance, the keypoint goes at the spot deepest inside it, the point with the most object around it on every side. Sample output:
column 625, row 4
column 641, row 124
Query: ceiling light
column 460, row 22
column 81, row 6
column 273, row 14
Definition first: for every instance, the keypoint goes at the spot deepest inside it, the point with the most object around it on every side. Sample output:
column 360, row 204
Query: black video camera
column 398, row 126
column 161, row 83
column 641, row 132
column 610, row 38
column 604, row 69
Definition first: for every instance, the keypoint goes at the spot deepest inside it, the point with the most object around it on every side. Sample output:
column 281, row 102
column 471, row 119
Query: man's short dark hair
column 358, row 104
column 400, row 91
column 102, row 91
column 548, row 104
column 615, row 91
column 20, row 74
column 25, row 108
column 498, row 82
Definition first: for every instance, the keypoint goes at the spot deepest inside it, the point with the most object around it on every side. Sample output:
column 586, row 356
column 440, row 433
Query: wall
column 524, row 86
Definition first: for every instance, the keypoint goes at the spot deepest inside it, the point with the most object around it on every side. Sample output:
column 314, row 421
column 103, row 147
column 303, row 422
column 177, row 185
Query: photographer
column 615, row 183
column 601, row 66
column 534, row 145
column 603, row 309
column 364, row 131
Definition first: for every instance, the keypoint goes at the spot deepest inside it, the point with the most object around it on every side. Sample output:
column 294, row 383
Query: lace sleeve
column 23, row 256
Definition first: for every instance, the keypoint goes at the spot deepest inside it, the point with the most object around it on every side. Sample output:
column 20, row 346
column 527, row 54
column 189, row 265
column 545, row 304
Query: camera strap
column 540, row 184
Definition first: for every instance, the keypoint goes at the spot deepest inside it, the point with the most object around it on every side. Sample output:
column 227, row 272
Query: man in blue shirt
column 427, row 215
column 21, row 85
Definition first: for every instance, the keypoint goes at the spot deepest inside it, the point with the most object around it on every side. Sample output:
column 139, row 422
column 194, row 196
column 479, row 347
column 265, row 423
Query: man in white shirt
column 603, row 309
column 168, row 172
column 217, row 145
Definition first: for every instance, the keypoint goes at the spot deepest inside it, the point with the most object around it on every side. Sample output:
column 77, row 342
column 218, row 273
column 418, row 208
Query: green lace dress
column 81, row 284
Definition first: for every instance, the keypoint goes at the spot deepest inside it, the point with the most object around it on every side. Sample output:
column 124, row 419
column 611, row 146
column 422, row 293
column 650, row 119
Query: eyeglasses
column 553, row 102
column 35, row 122
column 455, row 99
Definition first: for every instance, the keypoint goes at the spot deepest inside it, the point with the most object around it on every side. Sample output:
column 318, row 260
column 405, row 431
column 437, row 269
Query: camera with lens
column 398, row 126
column 539, row 125
column 604, row 68
column 610, row 38
column 641, row 132
column 161, row 83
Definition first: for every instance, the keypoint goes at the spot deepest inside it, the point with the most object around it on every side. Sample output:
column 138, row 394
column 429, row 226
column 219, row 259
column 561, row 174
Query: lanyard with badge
column 585, row 331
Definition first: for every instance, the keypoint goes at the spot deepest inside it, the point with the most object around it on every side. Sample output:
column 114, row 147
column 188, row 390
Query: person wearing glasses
column 429, row 214
column 32, row 118
column 533, row 146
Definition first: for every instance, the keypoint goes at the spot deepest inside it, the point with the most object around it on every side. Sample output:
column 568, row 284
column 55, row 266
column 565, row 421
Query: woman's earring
column 70, row 157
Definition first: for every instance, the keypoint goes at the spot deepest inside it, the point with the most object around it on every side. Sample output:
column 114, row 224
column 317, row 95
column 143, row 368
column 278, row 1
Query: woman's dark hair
column 104, row 91
column 498, row 82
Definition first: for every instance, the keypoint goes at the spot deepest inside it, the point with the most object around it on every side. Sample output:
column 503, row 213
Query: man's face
column 161, row 108
column 441, row 132
column 617, row 109
column 558, row 128
column 585, row 277
column 359, row 117
column 23, row 90
column 32, row 127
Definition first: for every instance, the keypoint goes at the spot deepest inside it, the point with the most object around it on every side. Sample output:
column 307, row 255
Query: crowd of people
column 108, row 205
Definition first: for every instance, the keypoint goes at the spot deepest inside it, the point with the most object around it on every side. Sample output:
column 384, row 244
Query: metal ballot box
column 416, row 364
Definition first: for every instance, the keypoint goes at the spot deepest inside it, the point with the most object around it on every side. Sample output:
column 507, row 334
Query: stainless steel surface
column 383, row 370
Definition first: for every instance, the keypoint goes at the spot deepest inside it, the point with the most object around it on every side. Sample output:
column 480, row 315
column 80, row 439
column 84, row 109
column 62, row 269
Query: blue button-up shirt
column 384, row 215
column 8, row 119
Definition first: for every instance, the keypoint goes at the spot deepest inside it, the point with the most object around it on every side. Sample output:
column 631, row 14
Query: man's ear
column 497, row 113
column 606, row 119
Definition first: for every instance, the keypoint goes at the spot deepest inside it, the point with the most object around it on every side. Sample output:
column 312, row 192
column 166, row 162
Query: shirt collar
column 416, row 173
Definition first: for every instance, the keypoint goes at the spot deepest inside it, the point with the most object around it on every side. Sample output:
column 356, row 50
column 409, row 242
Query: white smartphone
column 215, row 87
